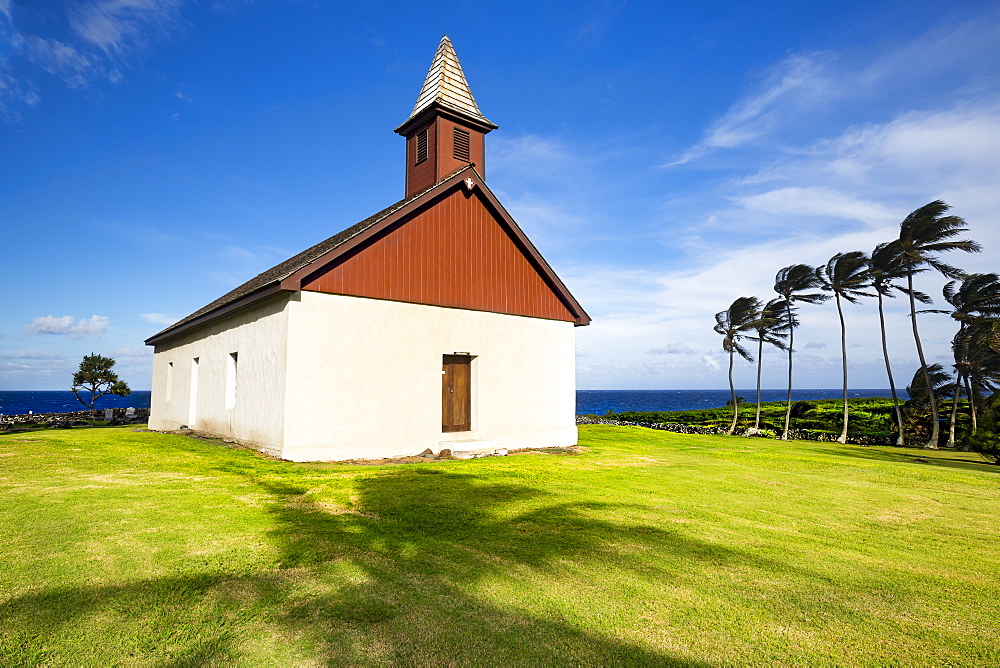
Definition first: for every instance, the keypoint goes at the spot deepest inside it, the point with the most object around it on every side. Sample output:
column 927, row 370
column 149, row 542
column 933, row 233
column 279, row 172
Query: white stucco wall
column 364, row 378
column 258, row 335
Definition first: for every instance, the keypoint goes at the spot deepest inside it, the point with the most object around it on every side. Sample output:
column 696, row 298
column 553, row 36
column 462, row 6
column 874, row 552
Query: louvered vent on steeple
column 460, row 145
column 421, row 146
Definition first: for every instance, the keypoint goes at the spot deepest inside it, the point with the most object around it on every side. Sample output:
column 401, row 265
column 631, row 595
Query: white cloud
column 675, row 348
column 15, row 95
column 845, row 191
column 132, row 358
column 68, row 326
column 160, row 318
column 61, row 60
column 796, row 83
column 105, row 33
column 10, row 366
column 30, row 355
column 118, row 26
column 598, row 22
column 818, row 201
column 132, row 352
column 808, row 90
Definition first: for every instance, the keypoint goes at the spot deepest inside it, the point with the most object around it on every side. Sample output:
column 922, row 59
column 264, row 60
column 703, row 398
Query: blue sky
column 666, row 158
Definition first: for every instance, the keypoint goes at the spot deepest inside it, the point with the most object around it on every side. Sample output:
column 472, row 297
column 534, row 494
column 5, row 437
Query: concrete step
column 471, row 449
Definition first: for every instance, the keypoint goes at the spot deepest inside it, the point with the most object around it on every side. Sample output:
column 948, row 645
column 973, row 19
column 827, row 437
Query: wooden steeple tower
column 445, row 130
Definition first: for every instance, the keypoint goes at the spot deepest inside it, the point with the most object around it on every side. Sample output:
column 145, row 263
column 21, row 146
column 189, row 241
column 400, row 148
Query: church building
column 432, row 324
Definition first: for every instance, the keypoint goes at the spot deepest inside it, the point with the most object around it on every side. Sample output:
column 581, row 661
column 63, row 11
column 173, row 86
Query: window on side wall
column 170, row 380
column 231, row 367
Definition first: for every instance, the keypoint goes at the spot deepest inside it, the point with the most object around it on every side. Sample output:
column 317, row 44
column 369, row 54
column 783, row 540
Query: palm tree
column 939, row 382
column 976, row 298
column 772, row 327
column 846, row 276
column 923, row 234
column 793, row 283
column 885, row 267
column 733, row 324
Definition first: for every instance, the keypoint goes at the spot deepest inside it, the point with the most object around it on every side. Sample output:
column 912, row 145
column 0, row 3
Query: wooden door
column 456, row 393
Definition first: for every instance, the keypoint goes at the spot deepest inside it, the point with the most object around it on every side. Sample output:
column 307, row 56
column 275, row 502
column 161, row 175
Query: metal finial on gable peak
column 445, row 84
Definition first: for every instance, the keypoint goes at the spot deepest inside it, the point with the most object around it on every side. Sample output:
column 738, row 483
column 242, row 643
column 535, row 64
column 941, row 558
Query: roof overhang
column 444, row 111
column 241, row 303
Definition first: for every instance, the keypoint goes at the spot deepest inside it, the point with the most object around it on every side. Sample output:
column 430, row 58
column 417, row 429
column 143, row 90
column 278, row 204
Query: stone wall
column 750, row 432
column 70, row 418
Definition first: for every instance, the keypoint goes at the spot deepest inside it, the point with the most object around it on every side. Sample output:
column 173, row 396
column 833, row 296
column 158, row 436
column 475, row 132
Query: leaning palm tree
column 793, row 283
column 923, row 234
column 772, row 327
column 885, row 268
column 975, row 298
column 846, row 276
column 733, row 324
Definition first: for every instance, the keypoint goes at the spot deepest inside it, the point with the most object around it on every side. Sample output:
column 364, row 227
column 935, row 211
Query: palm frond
column 926, row 232
column 977, row 295
column 774, row 323
column 940, row 381
column 735, row 322
column 793, row 282
column 846, row 275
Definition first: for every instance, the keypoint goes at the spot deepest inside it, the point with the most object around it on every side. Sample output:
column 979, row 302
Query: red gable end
column 455, row 252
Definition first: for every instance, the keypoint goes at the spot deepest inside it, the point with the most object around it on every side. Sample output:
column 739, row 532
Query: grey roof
column 272, row 277
column 446, row 84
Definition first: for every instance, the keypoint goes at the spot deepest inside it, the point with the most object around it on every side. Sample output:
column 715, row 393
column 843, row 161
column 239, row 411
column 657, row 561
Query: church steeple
column 445, row 130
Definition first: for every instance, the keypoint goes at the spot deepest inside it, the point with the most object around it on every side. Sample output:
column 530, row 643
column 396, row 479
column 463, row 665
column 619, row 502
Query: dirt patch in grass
column 379, row 461
column 416, row 459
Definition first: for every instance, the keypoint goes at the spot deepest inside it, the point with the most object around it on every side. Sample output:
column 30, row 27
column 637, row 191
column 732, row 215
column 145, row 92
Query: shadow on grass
column 912, row 455
column 392, row 579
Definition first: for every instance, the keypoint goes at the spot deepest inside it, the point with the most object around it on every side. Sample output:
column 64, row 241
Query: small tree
column 735, row 323
column 95, row 376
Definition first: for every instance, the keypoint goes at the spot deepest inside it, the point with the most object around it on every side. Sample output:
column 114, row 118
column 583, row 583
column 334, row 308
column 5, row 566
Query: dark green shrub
column 987, row 444
column 986, row 441
column 800, row 408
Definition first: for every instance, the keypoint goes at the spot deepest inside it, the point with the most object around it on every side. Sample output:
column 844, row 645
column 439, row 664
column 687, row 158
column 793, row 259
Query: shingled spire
column 446, row 85
column 445, row 130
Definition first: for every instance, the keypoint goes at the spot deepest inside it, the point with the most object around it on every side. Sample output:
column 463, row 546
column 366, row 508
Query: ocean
column 596, row 402
column 63, row 401
column 599, row 402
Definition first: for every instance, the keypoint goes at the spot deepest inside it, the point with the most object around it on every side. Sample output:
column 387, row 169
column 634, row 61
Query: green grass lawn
column 647, row 548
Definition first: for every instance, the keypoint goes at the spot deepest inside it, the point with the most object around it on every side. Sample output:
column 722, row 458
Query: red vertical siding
column 454, row 253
